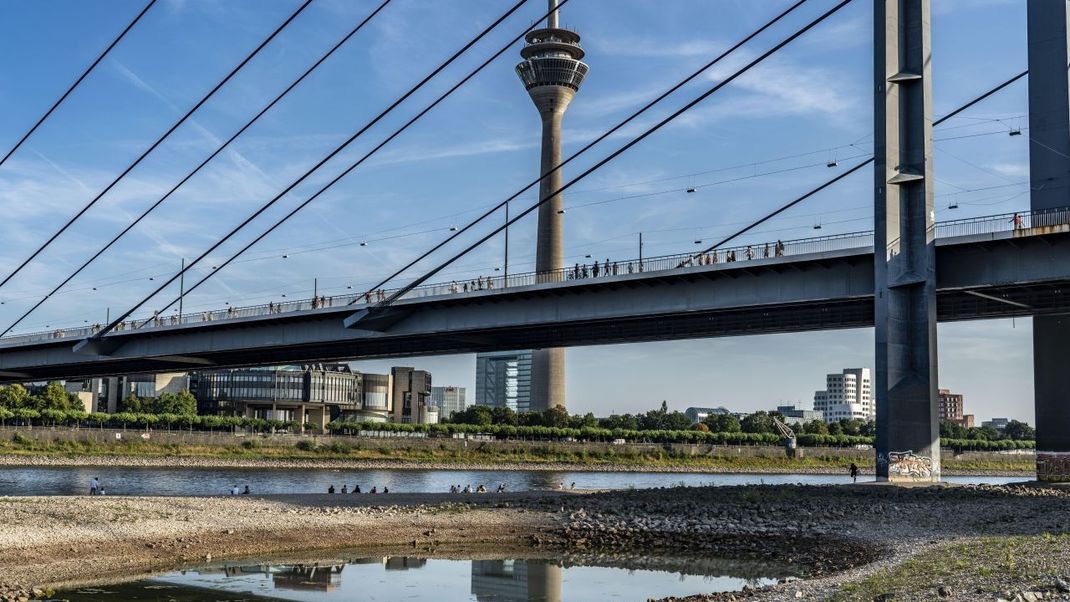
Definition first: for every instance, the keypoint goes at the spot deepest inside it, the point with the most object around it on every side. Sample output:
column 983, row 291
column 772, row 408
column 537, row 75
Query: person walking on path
column 854, row 472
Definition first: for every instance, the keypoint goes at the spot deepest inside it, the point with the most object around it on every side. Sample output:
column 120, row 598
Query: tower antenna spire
column 551, row 18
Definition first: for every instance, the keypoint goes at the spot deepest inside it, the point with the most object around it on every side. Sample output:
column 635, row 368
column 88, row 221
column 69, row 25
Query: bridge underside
column 983, row 277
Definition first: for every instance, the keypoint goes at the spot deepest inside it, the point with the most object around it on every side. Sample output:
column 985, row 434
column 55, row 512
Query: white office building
column 847, row 395
column 503, row 380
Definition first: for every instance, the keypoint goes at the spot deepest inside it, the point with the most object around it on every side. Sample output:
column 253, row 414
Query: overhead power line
column 210, row 157
column 159, row 141
column 648, row 132
column 332, row 154
column 850, row 171
column 81, row 77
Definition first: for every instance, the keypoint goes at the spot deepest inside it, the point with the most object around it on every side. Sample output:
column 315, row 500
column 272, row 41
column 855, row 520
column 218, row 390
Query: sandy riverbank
column 841, row 536
column 134, row 461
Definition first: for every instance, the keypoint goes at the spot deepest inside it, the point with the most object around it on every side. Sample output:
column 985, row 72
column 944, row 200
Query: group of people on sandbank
column 478, row 489
column 356, row 489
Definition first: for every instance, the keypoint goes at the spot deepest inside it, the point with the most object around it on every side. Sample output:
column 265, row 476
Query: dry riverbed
column 860, row 542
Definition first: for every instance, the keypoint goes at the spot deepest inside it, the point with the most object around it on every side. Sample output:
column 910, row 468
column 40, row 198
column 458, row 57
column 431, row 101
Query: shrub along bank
column 124, row 420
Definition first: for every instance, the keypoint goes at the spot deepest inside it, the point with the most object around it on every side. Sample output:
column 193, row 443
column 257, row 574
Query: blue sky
column 763, row 140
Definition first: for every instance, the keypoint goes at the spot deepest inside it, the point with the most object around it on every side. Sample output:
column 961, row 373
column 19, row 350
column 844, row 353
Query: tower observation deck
column 552, row 72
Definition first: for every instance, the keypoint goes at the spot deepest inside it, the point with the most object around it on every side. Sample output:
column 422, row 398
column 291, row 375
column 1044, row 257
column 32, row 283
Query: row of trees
column 54, row 397
column 182, row 403
column 79, row 418
column 1015, row 431
column 51, row 397
column 558, row 417
column 597, row 434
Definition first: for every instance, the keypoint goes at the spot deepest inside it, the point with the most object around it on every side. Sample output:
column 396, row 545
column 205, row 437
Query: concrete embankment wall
column 164, row 437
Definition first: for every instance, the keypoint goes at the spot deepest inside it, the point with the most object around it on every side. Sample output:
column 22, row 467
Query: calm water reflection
column 422, row 579
column 203, row 481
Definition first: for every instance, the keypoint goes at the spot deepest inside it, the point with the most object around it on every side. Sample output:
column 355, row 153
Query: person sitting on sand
column 101, row 492
column 501, row 488
column 573, row 485
column 373, row 491
column 234, row 490
column 356, row 489
column 345, row 488
column 386, row 489
column 481, row 489
column 330, row 489
column 246, row 492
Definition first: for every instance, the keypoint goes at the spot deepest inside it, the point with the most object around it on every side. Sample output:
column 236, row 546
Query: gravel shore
column 834, row 535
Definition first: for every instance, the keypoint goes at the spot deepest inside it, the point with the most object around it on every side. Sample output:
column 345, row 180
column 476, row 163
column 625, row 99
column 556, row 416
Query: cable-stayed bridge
column 988, row 267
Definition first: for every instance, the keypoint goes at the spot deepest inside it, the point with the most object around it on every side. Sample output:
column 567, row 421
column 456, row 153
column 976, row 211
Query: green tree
column 475, row 414
column 627, row 422
column 952, row 430
column 132, row 404
column 758, row 422
column 502, row 416
column 1019, row 431
column 55, row 397
column 585, row 421
column 723, row 423
column 815, row 427
column 555, row 417
column 182, row 403
column 14, row 397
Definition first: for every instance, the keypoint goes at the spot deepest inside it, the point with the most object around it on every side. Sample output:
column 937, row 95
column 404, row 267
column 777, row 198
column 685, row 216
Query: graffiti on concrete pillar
column 908, row 465
column 1053, row 466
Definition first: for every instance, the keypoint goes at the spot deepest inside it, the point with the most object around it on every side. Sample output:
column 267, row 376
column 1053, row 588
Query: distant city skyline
column 990, row 363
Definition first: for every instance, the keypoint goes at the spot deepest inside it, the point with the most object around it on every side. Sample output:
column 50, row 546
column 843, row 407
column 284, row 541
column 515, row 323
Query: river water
column 417, row 579
column 219, row 481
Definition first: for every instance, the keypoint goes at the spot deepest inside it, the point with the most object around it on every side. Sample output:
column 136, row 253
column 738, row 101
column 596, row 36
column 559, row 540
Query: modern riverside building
column 448, row 400
column 847, row 395
column 793, row 414
column 106, row 394
column 552, row 71
column 503, row 380
column 411, row 396
column 374, row 399
column 313, row 394
column 952, row 408
column 698, row 415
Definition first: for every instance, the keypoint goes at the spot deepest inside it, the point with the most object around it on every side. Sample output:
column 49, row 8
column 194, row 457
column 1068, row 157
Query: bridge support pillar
column 1049, row 171
column 908, row 433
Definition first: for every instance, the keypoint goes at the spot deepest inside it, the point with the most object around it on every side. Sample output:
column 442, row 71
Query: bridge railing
column 1028, row 222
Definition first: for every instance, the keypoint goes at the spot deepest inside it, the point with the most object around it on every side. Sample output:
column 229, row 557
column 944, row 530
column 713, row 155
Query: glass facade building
column 503, row 380
column 313, row 392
